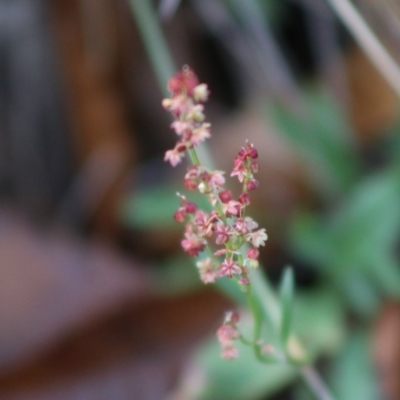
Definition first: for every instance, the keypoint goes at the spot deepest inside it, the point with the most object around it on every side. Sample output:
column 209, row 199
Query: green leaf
column 154, row 207
column 176, row 275
column 322, row 138
column 286, row 294
column 353, row 372
column 317, row 318
column 355, row 247
column 243, row 378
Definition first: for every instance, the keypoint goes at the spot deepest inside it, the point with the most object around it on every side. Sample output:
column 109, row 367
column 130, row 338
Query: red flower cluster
column 226, row 224
column 225, row 228
column 185, row 105
column 227, row 333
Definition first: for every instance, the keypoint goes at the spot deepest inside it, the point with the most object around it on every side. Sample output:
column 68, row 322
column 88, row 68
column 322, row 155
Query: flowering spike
column 226, row 227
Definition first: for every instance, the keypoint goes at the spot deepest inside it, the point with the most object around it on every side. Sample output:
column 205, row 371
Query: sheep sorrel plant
column 225, row 240
column 229, row 238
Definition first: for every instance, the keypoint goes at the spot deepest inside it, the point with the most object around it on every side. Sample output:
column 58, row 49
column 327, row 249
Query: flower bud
column 225, row 196
column 200, row 93
column 252, row 184
column 253, row 253
column 244, row 199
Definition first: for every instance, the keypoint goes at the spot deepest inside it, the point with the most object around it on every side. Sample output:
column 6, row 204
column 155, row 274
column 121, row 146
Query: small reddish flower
column 225, row 196
column 180, row 215
column 252, row 184
column 183, row 81
column 190, row 207
column 174, row 157
column 229, row 268
column 191, row 180
column 222, row 230
column 216, row 179
column 229, row 353
column 233, row 207
column 181, row 127
column 204, row 223
column 207, row 271
column 240, row 226
column 227, row 333
column 243, row 280
column 257, row 238
column 253, row 253
column 193, row 244
column 244, row 199
column 239, row 170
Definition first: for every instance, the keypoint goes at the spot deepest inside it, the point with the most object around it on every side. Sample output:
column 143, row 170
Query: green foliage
column 354, row 247
column 353, row 375
column 286, row 297
column 154, row 207
column 318, row 319
column 320, row 135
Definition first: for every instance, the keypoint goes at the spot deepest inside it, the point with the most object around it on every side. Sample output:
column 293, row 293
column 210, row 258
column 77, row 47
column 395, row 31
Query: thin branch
column 315, row 383
column 153, row 40
column 367, row 40
column 167, row 9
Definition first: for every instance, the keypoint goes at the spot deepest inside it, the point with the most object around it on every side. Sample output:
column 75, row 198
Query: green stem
column 193, row 157
column 257, row 318
column 154, row 42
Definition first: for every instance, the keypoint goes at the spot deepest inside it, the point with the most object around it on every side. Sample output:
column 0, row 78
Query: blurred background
column 97, row 300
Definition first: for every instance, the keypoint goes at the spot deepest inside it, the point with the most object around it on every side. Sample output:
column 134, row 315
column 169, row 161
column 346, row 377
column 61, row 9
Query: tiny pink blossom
column 226, row 334
column 207, row 271
column 193, row 244
column 200, row 134
column 225, row 196
column 177, row 105
column 257, row 238
column 252, row 184
column 174, row 157
column 251, row 151
column 222, row 231
column 240, row 226
column 253, row 253
column 191, row 179
column 233, row 207
column 254, row 167
column 180, row 126
column 190, row 207
column 239, row 170
column 201, row 93
column 183, row 81
column 180, row 215
column 244, row 199
column 229, row 268
column 220, row 252
column 216, row 179
column 196, row 113
column 244, row 281
column 229, row 353
column 204, row 222
column 231, row 317
column 251, row 224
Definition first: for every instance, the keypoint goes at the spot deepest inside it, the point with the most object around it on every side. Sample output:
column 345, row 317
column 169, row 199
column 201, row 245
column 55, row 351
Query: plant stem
column 367, row 40
column 262, row 299
column 315, row 383
column 154, row 42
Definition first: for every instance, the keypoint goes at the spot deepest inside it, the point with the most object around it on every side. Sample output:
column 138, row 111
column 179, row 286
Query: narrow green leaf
column 286, row 294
